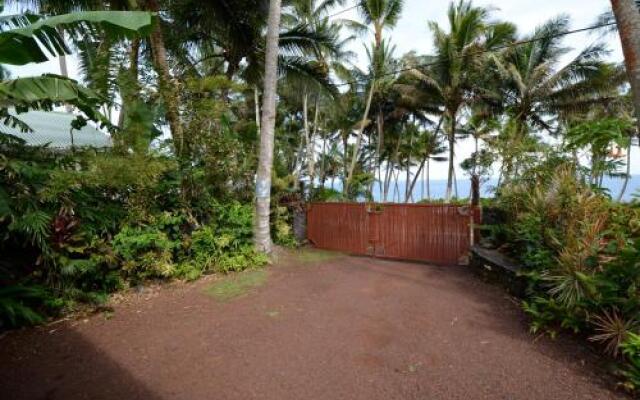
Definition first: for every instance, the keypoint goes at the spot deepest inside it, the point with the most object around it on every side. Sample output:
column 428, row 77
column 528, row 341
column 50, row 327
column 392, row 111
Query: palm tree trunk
column 408, row 186
column 422, row 186
column 424, row 160
column 133, row 71
column 311, row 158
column 256, row 99
column 428, row 179
column 455, row 183
column 168, row 90
column 628, row 19
column 452, row 139
column 380, row 126
column 323, row 173
column 345, row 161
column 627, row 176
column 307, row 136
column 390, row 168
column 261, row 232
column 396, row 190
column 356, row 150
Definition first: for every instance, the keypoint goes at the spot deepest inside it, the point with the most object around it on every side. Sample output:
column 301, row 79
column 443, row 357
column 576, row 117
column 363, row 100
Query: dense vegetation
column 178, row 84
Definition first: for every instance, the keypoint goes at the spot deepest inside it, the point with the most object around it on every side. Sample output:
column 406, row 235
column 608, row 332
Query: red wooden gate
column 433, row 233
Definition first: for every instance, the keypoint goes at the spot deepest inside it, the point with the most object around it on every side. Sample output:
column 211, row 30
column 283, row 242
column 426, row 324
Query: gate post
column 373, row 223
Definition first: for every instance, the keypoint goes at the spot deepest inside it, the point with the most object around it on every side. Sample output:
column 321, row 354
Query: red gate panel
column 433, row 233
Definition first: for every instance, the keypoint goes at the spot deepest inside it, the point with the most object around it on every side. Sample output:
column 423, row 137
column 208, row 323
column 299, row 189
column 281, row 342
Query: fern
column 15, row 305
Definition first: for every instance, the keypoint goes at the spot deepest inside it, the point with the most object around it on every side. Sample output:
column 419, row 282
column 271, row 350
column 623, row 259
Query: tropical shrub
column 75, row 227
column 581, row 254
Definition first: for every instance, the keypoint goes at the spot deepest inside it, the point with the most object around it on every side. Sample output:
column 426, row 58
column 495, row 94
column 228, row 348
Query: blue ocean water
column 438, row 189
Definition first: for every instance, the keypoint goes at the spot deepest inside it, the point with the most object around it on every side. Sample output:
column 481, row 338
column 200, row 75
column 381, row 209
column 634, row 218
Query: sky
column 411, row 33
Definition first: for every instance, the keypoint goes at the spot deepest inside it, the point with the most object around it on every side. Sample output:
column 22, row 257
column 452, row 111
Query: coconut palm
column 534, row 90
column 327, row 56
column 380, row 15
column 453, row 72
column 262, row 235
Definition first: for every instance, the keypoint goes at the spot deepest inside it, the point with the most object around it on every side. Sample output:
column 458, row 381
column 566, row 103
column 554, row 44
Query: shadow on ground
column 62, row 365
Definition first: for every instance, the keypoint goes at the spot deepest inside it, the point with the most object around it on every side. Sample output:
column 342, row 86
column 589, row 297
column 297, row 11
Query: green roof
column 54, row 128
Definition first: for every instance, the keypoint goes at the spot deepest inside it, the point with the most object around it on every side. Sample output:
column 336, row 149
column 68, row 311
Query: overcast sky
column 412, row 33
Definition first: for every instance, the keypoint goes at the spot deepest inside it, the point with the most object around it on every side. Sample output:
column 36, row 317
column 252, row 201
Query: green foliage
column 225, row 244
column 631, row 350
column 582, row 257
column 281, row 227
column 145, row 251
column 17, row 304
column 83, row 225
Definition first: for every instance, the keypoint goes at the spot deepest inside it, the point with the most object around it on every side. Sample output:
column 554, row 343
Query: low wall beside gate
column 439, row 234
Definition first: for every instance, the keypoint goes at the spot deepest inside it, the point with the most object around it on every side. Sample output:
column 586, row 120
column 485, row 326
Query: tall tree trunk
column 307, row 133
column 428, row 179
column 425, row 159
column 390, row 168
column 133, row 73
column 396, row 190
column 256, row 99
column 628, row 19
column 380, row 128
column 455, row 184
column 345, row 160
column 168, row 89
column 356, row 150
column 452, row 139
column 262, row 234
column 627, row 176
column 311, row 159
column 408, row 186
column 323, row 171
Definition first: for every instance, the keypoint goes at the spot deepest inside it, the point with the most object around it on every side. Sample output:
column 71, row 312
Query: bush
column 581, row 254
column 225, row 244
column 146, row 252
column 75, row 227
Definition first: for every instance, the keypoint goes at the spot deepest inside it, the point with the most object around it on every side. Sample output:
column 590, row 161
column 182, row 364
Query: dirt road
column 334, row 328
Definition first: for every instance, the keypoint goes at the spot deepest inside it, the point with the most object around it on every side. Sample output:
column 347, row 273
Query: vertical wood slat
column 432, row 233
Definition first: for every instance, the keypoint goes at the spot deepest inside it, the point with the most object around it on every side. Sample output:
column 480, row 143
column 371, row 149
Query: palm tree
column 628, row 18
column 533, row 90
column 262, row 234
column 380, row 15
column 381, row 63
column 429, row 148
column 454, row 70
column 327, row 56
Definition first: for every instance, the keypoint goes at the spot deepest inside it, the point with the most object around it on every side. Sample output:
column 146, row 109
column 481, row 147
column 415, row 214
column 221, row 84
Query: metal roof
column 54, row 128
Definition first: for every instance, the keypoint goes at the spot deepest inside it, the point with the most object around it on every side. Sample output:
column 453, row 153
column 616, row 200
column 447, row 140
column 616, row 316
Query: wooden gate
column 433, row 233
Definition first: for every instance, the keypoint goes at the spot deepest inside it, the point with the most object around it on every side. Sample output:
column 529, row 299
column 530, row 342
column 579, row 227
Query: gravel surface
column 340, row 328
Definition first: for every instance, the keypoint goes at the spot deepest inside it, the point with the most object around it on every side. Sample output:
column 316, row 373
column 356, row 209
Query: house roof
column 54, row 128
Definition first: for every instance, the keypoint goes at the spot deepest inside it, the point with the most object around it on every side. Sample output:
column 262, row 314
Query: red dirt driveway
column 338, row 328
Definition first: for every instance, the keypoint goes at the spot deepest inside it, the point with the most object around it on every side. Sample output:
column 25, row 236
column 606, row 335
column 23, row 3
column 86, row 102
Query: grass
column 315, row 256
column 233, row 286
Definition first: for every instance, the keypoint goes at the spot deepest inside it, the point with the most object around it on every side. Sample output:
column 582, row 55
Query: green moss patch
column 233, row 286
column 315, row 256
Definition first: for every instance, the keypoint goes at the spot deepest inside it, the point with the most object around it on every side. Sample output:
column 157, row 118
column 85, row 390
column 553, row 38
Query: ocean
column 438, row 189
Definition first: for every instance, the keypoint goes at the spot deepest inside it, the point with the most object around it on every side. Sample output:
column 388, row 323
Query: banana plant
column 33, row 38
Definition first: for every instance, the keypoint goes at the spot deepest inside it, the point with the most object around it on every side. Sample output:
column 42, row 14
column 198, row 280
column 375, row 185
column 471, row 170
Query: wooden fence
column 438, row 234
